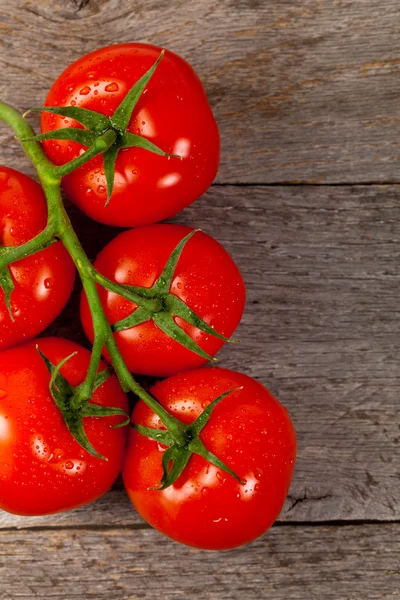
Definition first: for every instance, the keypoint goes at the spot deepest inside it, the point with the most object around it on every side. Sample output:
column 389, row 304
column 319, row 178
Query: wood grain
column 303, row 90
column 289, row 563
column 321, row 329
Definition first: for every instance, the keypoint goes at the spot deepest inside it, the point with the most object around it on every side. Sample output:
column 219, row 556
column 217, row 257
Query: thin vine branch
column 59, row 226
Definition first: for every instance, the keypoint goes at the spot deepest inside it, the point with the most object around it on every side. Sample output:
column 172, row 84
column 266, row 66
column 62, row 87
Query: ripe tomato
column 249, row 431
column 206, row 279
column 44, row 281
column 173, row 113
column 43, row 469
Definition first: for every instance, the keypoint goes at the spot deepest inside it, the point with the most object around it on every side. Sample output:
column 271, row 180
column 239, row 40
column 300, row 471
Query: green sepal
column 7, row 285
column 178, row 308
column 88, row 118
column 165, row 322
column 101, row 377
column 123, row 113
column 82, row 136
column 196, row 427
column 164, row 282
column 63, row 393
column 96, row 410
column 131, row 140
column 140, row 315
column 198, row 447
column 109, row 157
column 179, row 457
column 162, row 436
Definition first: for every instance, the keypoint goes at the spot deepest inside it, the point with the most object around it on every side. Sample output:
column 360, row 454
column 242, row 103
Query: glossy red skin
column 43, row 469
column 173, row 113
column 249, row 430
column 206, row 278
column 44, row 281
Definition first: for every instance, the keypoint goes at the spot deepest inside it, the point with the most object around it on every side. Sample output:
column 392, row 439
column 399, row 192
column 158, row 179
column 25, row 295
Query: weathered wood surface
column 321, row 329
column 299, row 563
column 303, row 90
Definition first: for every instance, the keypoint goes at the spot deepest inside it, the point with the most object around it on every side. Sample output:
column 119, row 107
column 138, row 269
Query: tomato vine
column 107, row 137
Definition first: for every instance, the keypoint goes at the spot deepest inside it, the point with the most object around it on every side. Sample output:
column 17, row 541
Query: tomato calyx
column 179, row 450
column 100, row 130
column 159, row 305
column 73, row 412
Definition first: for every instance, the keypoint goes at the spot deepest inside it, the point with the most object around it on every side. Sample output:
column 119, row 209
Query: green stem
column 86, row 390
column 59, row 225
column 100, row 145
column 11, row 254
column 23, row 130
column 152, row 305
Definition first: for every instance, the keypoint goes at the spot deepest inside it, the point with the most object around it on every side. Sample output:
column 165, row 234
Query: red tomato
column 249, row 431
column 173, row 113
column 206, row 279
column 43, row 469
column 44, row 281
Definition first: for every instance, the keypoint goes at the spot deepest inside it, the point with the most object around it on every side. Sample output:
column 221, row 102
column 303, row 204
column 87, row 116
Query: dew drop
column 112, row 87
column 48, row 282
column 69, row 465
column 258, row 473
column 85, row 91
column 16, row 311
column 221, row 477
column 73, row 103
column 101, row 189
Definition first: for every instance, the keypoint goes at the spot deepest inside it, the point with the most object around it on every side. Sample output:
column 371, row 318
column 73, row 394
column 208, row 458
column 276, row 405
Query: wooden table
column 306, row 94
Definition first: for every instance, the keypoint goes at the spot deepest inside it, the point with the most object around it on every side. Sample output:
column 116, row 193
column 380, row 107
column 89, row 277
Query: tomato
column 249, row 431
column 43, row 469
column 173, row 113
column 206, row 279
column 44, row 281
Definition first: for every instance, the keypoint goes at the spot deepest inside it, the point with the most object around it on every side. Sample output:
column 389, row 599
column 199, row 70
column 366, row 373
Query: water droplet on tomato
column 48, row 282
column 73, row 103
column 16, row 311
column 221, row 477
column 258, row 473
column 85, row 91
column 112, row 87
column 101, row 189
column 69, row 465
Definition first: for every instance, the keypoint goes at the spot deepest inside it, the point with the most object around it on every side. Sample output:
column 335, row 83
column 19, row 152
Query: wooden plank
column 289, row 563
column 303, row 90
column 321, row 329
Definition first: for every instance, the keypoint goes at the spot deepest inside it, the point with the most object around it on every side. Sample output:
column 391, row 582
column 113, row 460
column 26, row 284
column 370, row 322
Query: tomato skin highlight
column 43, row 470
column 173, row 113
column 249, row 430
column 206, row 279
column 44, row 281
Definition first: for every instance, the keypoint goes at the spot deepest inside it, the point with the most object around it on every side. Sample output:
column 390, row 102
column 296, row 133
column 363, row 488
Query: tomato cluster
column 172, row 296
